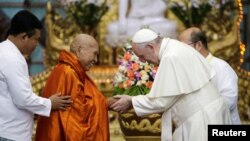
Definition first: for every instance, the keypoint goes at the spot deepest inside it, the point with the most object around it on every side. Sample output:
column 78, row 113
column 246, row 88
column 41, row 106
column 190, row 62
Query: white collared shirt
column 226, row 81
column 17, row 100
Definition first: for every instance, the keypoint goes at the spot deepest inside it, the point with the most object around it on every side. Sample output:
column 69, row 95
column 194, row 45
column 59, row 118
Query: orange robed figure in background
column 87, row 118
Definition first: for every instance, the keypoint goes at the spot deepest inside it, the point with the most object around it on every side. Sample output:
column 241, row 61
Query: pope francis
column 182, row 89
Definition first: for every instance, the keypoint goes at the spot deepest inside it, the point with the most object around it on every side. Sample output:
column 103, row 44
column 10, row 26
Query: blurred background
column 225, row 22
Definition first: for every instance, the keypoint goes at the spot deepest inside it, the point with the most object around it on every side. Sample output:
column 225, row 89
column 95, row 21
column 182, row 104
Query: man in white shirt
column 225, row 79
column 17, row 101
column 182, row 89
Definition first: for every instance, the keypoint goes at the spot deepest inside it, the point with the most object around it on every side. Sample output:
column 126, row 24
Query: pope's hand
column 59, row 102
column 123, row 104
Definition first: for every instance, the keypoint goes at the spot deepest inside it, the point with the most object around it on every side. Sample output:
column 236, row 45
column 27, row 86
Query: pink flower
column 133, row 77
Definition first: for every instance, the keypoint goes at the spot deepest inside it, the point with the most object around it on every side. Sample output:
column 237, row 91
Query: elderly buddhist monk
column 87, row 118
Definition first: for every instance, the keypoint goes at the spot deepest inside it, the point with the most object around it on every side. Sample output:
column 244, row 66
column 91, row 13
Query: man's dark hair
column 199, row 36
column 24, row 21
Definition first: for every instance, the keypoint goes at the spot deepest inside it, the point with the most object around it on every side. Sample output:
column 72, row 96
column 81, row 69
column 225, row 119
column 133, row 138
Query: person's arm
column 227, row 83
column 144, row 105
column 16, row 75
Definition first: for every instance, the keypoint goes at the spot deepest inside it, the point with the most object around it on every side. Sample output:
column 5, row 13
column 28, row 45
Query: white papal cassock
column 183, row 91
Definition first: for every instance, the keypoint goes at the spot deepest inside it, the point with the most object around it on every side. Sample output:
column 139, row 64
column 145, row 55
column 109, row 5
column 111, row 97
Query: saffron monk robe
column 87, row 118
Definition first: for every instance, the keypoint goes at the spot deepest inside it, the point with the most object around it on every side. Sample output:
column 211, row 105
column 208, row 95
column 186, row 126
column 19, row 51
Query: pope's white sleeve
column 17, row 78
column 144, row 105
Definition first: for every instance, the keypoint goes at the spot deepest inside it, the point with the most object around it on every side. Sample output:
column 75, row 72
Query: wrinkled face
column 145, row 53
column 30, row 43
column 87, row 56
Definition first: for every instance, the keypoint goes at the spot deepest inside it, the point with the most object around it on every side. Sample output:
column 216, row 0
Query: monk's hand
column 111, row 101
column 59, row 102
column 123, row 104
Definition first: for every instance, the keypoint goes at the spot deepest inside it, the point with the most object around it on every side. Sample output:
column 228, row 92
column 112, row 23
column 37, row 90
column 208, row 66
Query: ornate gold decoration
column 227, row 47
column 142, row 138
column 143, row 125
column 38, row 81
column 60, row 35
column 219, row 23
column 106, row 55
column 140, row 128
column 103, row 76
column 244, row 76
column 61, row 32
column 127, row 115
column 231, row 49
column 131, row 113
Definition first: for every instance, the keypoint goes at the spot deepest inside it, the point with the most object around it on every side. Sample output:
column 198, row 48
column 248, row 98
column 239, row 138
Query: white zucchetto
column 144, row 35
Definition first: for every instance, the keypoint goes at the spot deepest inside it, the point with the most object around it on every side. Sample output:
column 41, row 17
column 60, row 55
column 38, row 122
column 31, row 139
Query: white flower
column 128, row 46
column 134, row 58
column 122, row 69
column 145, row 77
column 196, row 3
column 138, row 83
column 216, row 4
column 180, row 4
column 142, row 64
column 132, row 82
column 96, row 2
column 143, row 82
column 68, row 2
column 212, row 2
column 119, row 78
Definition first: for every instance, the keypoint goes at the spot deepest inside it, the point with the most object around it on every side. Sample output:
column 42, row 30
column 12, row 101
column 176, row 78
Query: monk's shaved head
column 86, row 49
column 82, row 40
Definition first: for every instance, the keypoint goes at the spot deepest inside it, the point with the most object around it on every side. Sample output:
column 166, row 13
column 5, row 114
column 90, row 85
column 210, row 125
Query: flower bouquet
column 133, row 77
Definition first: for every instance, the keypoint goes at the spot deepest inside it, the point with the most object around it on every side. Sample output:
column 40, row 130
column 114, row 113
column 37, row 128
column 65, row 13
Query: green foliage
column 87, row 14
column 133, row 91
column 191, row 16
column 196, row 12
